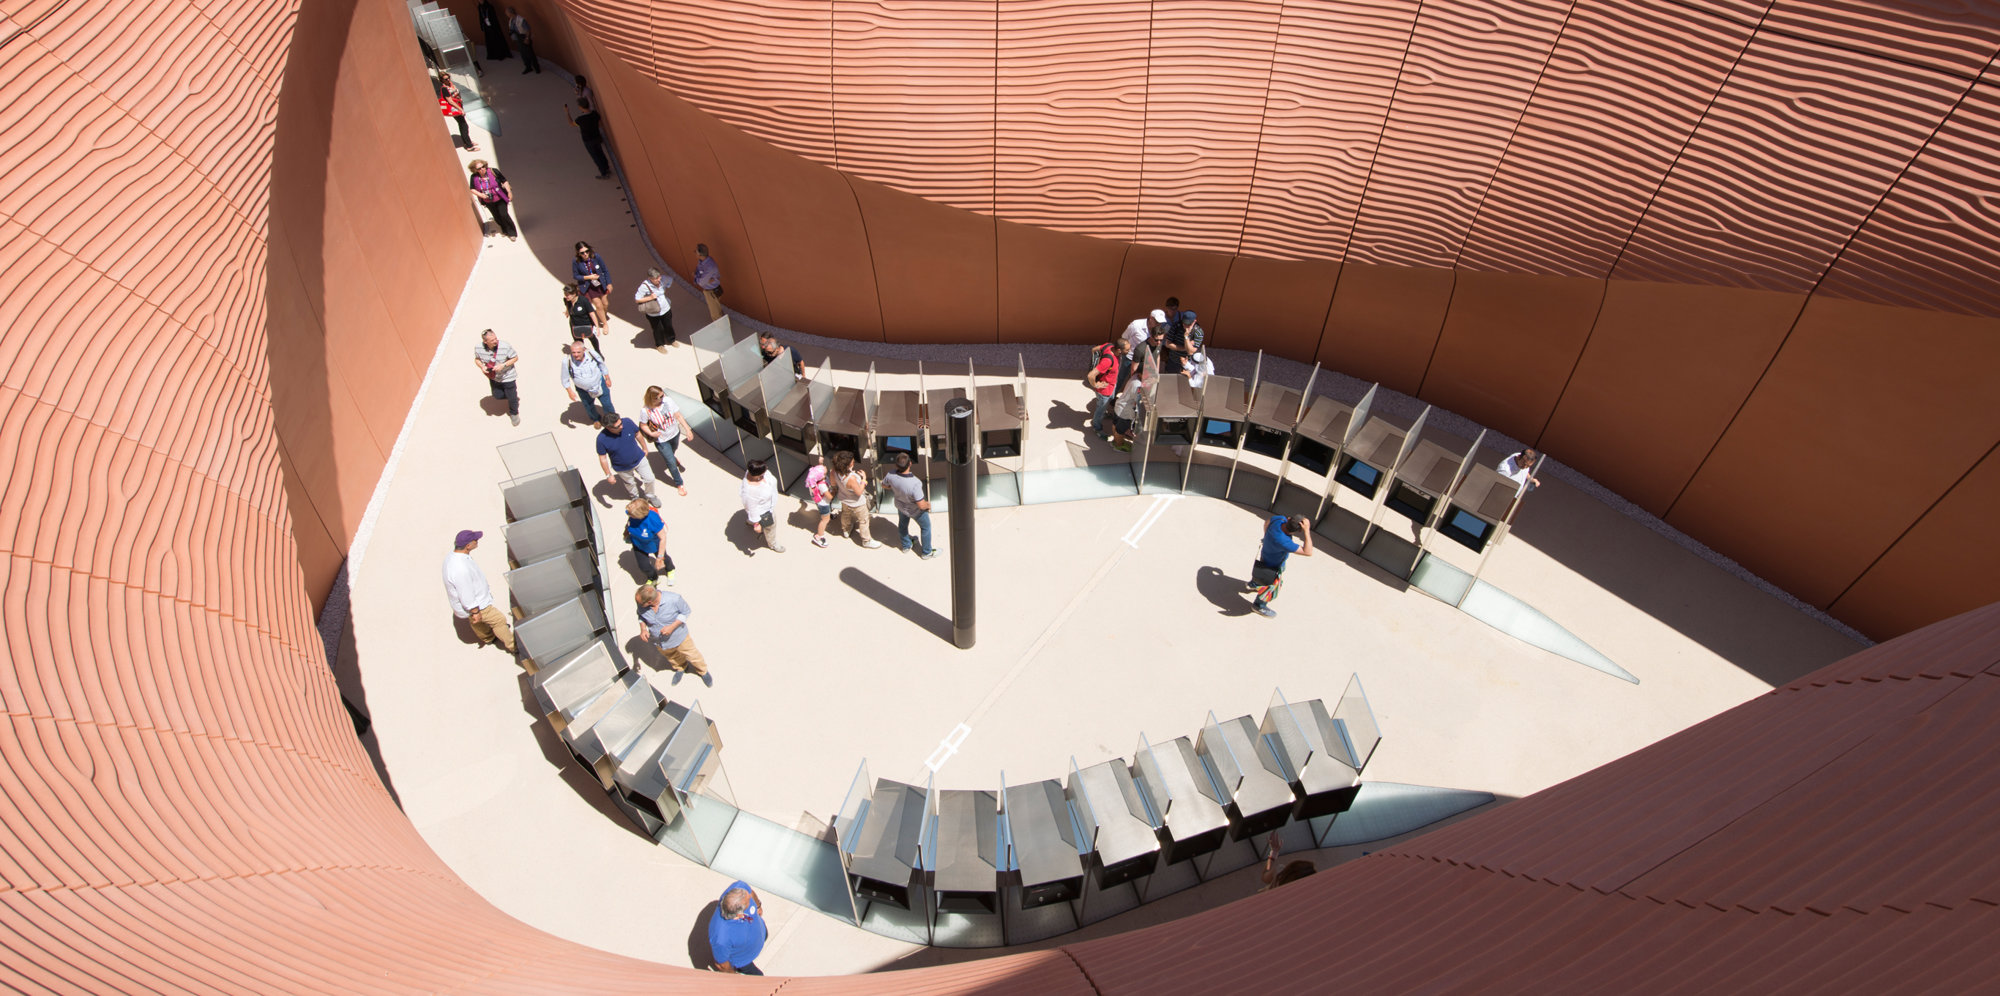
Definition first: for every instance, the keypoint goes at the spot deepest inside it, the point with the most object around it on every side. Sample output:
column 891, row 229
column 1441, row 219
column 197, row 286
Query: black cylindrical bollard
column 963, row 488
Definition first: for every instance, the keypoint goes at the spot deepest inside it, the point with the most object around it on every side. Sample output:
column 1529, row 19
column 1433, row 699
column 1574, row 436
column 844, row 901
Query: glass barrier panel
column 1358, row 718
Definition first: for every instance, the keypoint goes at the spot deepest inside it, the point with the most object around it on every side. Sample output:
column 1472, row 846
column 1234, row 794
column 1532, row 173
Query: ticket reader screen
column 1270, row 442
column 1359, row 477
column 968, row 902
column 1466, row 528
column 892, row 445
column 837, row 442
column 1219, row 432
column 876, row 890
column 1049, row 893
column 998, row 443
column 1411, row 503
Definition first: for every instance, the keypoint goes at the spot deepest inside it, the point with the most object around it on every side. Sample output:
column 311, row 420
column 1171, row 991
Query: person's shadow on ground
column 699, row 954
column 1062, row 416
column 748, row 540
column 1228, row 594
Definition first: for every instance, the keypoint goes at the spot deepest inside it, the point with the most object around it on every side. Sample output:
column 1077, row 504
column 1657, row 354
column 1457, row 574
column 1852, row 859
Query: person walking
column 760, row 498
column 452, row 105
column 651, row 297
column 736, row 931
column 593, row 280
column 708, row 277
column 494, row 30
column 1284, row 535
column 471, row 599
column 664, row 615
column 590, row 127
column 911, row 504
column 819, row 493
column 500, row 363
column 623, row 459
column 582, row 317
column 851, row 487
column 1125, row 410
column 587, row 379
column 644, row 530
column 491, row 187
column 662, row 422
column 523, row 39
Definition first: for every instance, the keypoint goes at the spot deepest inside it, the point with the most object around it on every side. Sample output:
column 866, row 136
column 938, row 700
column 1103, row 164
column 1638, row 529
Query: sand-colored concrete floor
column 1085, row 641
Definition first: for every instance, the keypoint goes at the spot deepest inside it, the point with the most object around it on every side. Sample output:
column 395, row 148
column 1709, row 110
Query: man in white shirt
column 760, row 497
column 1518, row 466
column 471, row 599
column 1141, row 329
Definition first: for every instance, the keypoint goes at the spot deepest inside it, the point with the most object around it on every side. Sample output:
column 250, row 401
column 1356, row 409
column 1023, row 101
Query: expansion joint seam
column 163, row 596
column 1080, row 970
column 137, row 883
column 164, row 731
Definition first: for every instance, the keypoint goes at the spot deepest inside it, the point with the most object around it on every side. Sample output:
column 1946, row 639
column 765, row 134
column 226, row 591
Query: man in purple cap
column 471, row 599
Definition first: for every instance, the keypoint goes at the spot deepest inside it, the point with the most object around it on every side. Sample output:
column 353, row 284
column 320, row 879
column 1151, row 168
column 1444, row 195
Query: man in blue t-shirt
column 736, row 931
column 623, row 459
column 1284, row 535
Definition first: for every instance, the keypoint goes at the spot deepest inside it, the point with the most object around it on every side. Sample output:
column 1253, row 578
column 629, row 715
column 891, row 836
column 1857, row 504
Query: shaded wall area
column 1730, row 259
column 371, row 237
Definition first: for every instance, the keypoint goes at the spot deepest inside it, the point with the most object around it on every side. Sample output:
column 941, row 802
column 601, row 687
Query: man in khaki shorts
column 664, row 615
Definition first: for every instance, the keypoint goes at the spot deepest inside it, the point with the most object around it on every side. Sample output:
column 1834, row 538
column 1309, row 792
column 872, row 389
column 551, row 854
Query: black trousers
column 509, row 392
column 646, row 563
column 503, row 216
column 663, row 328
column 596, row 150
column 532, row 64
column 464, row 133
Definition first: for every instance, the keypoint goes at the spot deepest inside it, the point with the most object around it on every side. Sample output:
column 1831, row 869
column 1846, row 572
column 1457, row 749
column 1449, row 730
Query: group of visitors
column 1117, row 375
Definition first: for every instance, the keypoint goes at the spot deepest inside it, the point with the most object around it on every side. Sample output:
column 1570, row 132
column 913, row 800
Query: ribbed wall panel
column 1623, row 90
column 1795, row 152
column 1931, row 243
column 1208, row 74
column 785, row 81
column 1067, row 144
column 913, row 96
column 1472, row 66
column 1334, row 69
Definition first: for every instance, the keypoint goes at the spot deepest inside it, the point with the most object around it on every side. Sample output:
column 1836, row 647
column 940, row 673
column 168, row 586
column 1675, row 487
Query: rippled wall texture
column 1732, row 259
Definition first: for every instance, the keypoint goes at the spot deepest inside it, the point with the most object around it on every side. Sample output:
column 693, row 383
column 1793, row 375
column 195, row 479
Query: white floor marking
column 1152, row 515
column 947, row 747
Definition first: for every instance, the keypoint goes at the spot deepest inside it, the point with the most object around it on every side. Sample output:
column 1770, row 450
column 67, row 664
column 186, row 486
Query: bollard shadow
column 895, row 601
column 1226, row 593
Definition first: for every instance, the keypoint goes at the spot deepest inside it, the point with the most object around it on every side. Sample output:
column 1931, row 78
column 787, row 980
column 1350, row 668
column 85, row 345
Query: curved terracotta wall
column 193, row 345
column 1707, row 253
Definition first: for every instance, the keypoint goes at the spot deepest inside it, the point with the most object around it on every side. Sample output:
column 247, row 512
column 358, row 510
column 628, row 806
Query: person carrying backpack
column 819, row 492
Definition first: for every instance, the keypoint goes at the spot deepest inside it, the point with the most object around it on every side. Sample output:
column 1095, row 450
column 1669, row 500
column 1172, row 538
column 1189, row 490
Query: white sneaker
column 871, row 544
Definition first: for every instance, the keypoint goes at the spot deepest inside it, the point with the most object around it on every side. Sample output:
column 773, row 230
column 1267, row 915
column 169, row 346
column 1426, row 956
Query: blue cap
column 1187, row 318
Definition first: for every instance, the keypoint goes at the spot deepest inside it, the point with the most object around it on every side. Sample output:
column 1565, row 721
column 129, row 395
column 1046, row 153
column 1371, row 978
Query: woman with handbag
column 453, row 107
column 491, row 187
column 651, row 297
column 663, row 423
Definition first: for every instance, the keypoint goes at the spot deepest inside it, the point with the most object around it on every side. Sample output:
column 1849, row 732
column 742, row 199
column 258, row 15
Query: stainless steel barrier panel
column 539, row 537
column 601, row 743
column 1313, row 751
column 593, row 711
column 1118, row 841
column 549, row 582
column 964, row 836
column 640, row 784
column 548, row 491
column 1259, row 795
column 1186, row 801
column 882, row 849
column 567, row 687
column 532, row 455
column 557, row 631
column 691, row 764
column 847, row 823
column 1043, row 839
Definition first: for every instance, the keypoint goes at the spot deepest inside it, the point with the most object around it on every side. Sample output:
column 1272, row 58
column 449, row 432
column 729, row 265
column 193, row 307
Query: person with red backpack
column 1107, row 366
column 820, row 492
